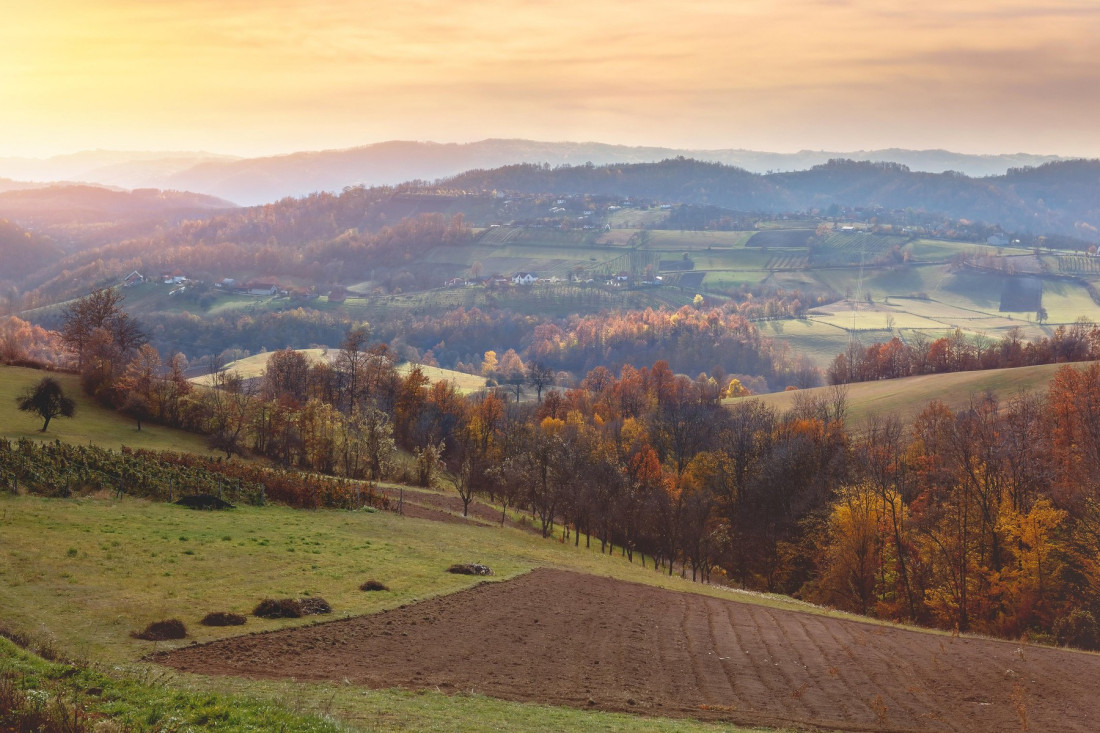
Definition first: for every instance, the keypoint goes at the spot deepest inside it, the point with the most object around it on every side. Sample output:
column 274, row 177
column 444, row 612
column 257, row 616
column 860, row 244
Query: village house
column 262, row 288
column 133, row 278
column 524, row 278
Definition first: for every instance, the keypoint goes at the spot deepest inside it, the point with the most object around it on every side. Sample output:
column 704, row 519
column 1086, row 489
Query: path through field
column 565, row 638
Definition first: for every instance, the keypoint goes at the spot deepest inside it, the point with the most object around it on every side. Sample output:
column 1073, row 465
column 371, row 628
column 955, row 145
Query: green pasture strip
column 91, row 424
column 133, row 703
column 430, row 710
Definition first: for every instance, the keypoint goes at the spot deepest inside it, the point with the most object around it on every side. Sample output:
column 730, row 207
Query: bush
column 1078, row 629
column 163, row 630
column 222, row 618
column 469, row 569
column 282, row 608
column 373, row 585
column 314, row 606
column 204, row 501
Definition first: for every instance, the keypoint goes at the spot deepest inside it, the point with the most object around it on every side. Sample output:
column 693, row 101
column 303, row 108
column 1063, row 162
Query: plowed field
column 570, row 639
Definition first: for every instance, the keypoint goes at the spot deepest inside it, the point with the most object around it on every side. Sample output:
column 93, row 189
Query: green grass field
column 91, row 424
column 906, row 397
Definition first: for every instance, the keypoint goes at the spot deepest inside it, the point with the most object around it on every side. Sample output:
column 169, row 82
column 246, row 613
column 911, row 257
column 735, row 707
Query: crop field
column 936, row 250
column 688, row 240
column 583, row 641
column 853, row 247
column 781, row 238
column 818, row 341
column 1079, row 264
column 788, row 262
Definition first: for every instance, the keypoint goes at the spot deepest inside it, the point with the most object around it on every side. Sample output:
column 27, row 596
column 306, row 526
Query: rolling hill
column 906, row 397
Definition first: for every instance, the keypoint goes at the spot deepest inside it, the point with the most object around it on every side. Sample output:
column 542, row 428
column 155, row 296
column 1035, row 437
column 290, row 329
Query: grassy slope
column 87, row 572
column 91, row 424
column 907, row 397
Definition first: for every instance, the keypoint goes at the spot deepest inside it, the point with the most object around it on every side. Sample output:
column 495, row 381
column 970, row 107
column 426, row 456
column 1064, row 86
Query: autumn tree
column 540, row 376
column 101, row 310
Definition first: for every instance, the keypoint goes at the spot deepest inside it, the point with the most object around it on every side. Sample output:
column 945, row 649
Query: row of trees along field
column 985, row 520
column 1079, row 341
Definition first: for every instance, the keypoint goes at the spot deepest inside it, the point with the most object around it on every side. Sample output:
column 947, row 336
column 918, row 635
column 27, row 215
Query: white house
column 524, row 278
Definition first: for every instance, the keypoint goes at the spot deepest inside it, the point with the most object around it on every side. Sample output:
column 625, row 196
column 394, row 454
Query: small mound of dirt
column 314, row 606
column 469, row 569
column 204, row 501
column 162, row 631
column 373, row 585
column 282, row 608
column 222, row 618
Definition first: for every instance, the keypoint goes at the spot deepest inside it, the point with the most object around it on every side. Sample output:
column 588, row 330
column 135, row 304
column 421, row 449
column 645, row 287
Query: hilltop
column 261, row 180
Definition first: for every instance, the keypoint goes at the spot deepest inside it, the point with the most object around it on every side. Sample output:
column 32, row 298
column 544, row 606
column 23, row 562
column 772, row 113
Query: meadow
column 906, row 397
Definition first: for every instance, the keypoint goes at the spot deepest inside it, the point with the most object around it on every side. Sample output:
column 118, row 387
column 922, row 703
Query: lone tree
column 46, row 399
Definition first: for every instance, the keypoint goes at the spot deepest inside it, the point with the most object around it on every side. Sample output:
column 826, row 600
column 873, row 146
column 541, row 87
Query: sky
column 244, row 77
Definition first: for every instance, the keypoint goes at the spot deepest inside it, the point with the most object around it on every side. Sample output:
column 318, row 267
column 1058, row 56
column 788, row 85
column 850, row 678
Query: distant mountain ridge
column 250, row 181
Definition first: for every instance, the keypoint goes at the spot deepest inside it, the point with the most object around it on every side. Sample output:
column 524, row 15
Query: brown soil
column 565, row 638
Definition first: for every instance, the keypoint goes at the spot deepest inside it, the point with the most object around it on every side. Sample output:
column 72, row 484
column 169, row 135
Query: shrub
column 373, row 585
column 163, row 630
column 1078, row 629
column 222, row 618
column 204, row 501
column 314, row 606
column 282, row 608
column 469, row 569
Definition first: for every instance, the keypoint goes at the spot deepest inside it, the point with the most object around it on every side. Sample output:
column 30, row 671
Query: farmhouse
column 524, row 278
column 133, row 278
column 262, row 288
column 337, row 295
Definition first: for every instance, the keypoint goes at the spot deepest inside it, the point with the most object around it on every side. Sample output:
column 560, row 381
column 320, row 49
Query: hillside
column 560, row 636
column 252, row 367
column 91, row 424
column 905, row 398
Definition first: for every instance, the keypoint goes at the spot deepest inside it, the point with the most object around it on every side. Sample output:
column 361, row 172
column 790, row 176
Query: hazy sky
column 248, row 77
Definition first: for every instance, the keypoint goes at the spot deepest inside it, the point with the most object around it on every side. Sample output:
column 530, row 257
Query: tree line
column 895, row 358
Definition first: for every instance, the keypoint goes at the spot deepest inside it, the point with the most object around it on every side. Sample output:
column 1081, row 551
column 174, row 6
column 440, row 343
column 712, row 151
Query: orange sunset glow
column 246, row 78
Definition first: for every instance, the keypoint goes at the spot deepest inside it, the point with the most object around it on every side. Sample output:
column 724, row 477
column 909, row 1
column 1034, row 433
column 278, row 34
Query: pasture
column 906, row 397
column 91, row 423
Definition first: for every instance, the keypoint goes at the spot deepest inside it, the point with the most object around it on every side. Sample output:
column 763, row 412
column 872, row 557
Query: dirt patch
column 565, row 638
